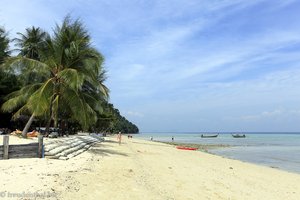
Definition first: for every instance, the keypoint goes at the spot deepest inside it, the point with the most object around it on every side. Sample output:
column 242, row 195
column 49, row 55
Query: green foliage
column 61, row 79
column 8, row 84
column 8, row 81
column 31, row 43
column 4, row 45
column 112, row 121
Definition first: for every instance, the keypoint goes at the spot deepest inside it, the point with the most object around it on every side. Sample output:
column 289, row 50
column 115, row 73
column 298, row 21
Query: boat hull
column 239, row 136
column 209, row 136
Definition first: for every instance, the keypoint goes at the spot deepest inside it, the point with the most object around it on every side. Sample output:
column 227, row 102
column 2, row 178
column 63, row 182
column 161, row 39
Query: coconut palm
column 4, row 45
column 70, row 66
column 31, row 43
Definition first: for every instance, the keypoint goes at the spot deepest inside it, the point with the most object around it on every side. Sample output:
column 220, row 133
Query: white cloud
column 169, row 59
column 263, row 115
column 267, row 115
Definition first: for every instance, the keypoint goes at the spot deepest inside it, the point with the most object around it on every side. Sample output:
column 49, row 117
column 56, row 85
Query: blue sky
column 205, row 65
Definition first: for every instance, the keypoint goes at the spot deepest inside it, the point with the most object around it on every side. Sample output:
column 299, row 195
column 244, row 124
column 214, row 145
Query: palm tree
column 4, row 45
column 31, row 43
column 70, row 66
column 8, row 81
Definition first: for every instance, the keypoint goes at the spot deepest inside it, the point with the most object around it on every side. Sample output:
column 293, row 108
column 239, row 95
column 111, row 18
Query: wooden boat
column 209, row 136
column 238, row 135
column 187, row 148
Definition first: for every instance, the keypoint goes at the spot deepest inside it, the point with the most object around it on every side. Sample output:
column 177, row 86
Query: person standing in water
column 119, row 138
column 172, row 139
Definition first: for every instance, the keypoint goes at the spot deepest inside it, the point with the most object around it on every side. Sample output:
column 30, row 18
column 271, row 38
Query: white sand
column 140, row 169
column 16, row 140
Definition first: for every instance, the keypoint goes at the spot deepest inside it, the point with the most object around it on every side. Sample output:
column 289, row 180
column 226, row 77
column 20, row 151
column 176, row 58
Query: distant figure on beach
column 119, row 138
column 172, row 139
column 151, row 138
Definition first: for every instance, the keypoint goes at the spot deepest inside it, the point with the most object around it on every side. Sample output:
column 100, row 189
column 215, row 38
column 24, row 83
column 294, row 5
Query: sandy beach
column 139, row 169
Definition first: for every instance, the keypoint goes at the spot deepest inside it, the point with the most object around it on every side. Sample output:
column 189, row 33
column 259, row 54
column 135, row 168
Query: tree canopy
column 61, row 79
column 4, row 45
column 112, row 121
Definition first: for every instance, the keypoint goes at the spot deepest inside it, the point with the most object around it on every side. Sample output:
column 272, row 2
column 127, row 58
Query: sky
column 188, row 66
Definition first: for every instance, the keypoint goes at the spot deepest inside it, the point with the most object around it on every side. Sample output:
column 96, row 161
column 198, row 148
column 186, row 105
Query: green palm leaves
column 71, row 76
column 31, row 43
column 4, row 41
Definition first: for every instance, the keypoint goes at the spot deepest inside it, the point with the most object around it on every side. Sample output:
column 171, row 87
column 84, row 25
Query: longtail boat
column 209, row 136
column 238, row 135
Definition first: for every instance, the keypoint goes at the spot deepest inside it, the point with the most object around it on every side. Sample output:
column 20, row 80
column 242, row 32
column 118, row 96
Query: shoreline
column 201, row 147
column 208, row 147
column 139, row 169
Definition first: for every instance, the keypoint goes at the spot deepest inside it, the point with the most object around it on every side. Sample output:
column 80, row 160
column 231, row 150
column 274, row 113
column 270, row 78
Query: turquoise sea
column 277, row 150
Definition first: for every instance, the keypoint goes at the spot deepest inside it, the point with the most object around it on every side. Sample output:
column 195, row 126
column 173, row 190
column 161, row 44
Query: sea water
column 276, row 150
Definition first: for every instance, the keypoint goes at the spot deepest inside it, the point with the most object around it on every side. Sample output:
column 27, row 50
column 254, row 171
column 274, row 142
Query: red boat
column 186, row 148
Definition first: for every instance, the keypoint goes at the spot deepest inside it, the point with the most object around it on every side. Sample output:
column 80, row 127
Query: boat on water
column 238, row 135
column 209, row 135
column 187, row 148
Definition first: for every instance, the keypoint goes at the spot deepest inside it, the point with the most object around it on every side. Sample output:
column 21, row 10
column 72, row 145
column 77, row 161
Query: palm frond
column 39, row 102
column 81, row 111
column 26, row 65
column 19, row 98
column 22, row 110
column 72, row 78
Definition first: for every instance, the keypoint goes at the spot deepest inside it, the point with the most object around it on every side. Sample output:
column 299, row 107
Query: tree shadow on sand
column 110, row 141
column 99, row 149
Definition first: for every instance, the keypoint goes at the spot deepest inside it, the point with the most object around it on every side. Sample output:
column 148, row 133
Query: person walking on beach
column 119, row 138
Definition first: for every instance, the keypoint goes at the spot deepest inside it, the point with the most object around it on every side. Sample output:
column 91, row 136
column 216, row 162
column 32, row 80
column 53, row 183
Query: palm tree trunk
column 47, row 131
column 26, row 128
